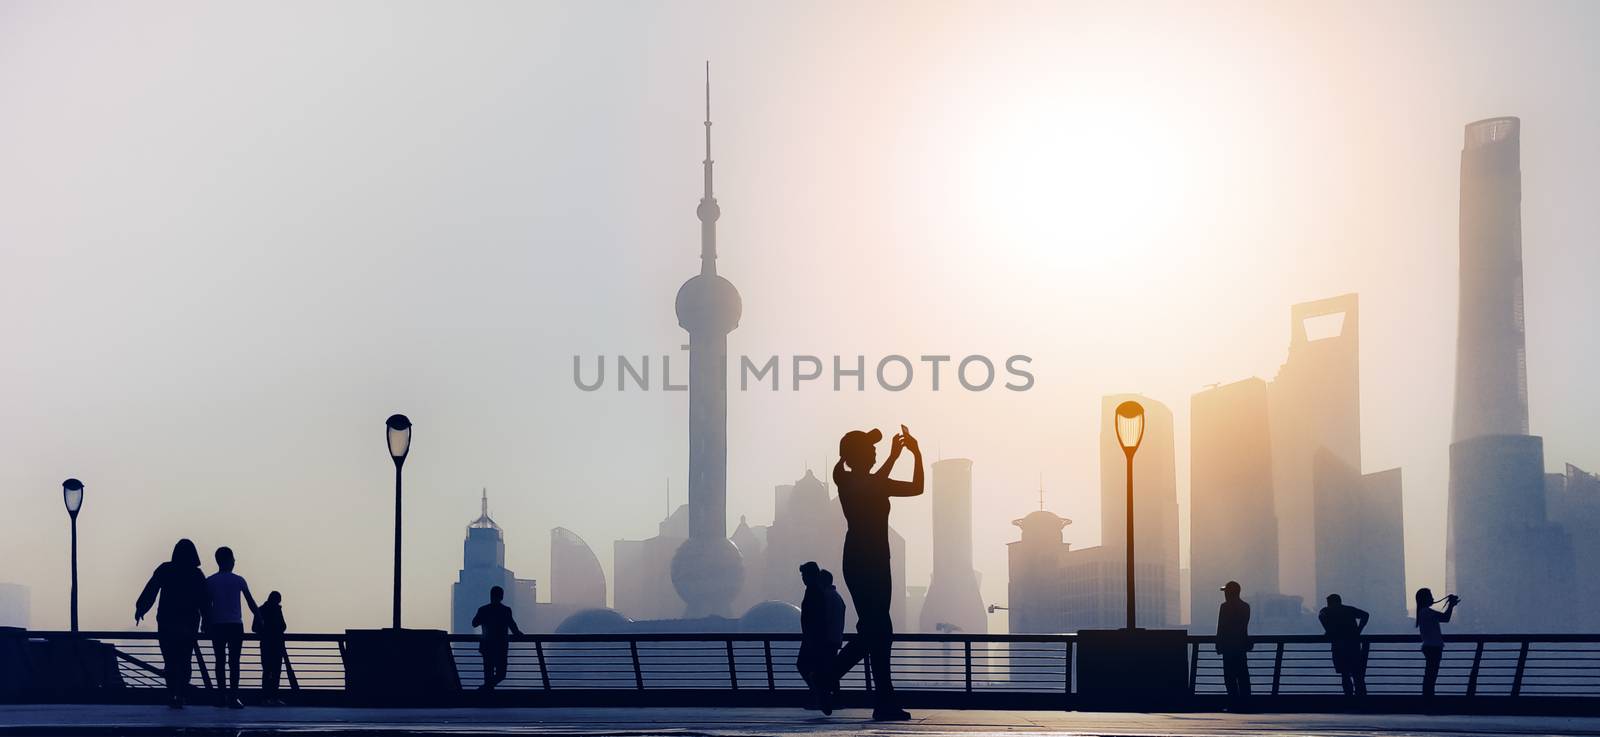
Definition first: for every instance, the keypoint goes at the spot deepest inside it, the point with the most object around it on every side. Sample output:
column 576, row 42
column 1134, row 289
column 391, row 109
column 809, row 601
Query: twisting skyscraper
column 1502, row 553
column 1491, row 353
column 707, row 570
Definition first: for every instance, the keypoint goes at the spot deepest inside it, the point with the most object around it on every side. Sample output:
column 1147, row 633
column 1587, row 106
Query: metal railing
column 1473, row 665
column 1034, row 671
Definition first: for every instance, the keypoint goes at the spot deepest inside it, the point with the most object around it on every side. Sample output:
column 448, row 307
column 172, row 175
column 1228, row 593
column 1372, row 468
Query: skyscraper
column 642, row 570
column 1491, row 352
column 953, row 600
column 1339, row 531
column 1155, row 512
column 483, row 566
column 1573, row 499
column 1233, row 527
column 1315, row 406
column 576, row 579
column 706, row 570
column 1506, row 559
column 1501, row 550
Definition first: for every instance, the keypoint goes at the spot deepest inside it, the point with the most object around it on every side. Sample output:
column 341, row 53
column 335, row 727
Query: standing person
column 269, row 626
column 864, row 495
column 1233, row 642
column 182, row 589
column 226, row 625
column 1428, row 621
column 821, row 632
column 1343, row 625
column 495, row 645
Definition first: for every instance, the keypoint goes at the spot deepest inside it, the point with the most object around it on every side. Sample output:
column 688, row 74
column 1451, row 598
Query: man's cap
column 857, row 438
column 1230, row 586
column 809, row 567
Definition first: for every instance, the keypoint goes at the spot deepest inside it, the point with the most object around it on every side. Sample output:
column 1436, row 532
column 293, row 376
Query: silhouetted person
column 1343, row 625
column 495, row 645
column 821, row 633
column 269, row 626
column 864, row 495
column 226, row 624
column 1233, row 642
column 1428, row 621
column 182, row 590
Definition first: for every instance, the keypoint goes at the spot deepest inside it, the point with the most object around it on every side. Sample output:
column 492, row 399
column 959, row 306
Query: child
column 821, row 632
column 270, row 626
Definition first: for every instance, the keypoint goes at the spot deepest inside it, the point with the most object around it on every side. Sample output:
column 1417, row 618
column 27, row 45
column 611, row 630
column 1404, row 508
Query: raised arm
column 250, row 600
column 915, row 485
column 895, row 447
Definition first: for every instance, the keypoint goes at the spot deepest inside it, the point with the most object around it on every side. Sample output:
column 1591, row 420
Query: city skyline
column 233, row 378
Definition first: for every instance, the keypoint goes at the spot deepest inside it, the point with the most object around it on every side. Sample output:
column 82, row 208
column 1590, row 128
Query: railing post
column 1277, row 668
column 968, row 660
column 766, row 649
column 638, row 673
column 1477, row 660
column 1194, row 666
column 1522, row 666
column 733, row 668
column 1067, row 666
column 544, row 670
column 866, row 671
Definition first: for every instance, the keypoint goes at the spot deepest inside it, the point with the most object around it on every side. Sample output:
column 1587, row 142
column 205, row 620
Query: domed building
column 771, row 616
column 597, row 621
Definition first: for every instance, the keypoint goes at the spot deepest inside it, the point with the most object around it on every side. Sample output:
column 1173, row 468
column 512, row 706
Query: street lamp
column 1130, row 430
column 399, row 435
column 72, row 496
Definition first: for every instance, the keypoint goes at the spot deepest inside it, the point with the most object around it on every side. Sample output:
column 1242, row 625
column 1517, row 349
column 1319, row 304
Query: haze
column 234, row 238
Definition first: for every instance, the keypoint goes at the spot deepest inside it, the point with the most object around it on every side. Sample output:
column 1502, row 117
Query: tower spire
column 1041, row 491
column 708, row 211
column 485, row 502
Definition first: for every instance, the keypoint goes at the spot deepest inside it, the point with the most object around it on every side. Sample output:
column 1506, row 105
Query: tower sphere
column 708, row 303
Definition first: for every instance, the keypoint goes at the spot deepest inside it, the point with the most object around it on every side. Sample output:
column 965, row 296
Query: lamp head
column 1130, row 426
column 72, row 495
column 399, row 437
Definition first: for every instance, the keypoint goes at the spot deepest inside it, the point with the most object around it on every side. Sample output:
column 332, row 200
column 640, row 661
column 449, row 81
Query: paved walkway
column 85, row 721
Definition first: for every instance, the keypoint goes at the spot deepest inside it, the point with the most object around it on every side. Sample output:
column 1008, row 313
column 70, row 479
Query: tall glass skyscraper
column 1491, row 353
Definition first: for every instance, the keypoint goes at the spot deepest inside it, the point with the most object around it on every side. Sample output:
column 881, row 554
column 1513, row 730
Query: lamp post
column 1130, row 430
column 72, row 496
column 399, row 434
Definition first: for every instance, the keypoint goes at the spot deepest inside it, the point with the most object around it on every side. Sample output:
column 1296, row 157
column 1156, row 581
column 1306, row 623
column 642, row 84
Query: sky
column 235, row 237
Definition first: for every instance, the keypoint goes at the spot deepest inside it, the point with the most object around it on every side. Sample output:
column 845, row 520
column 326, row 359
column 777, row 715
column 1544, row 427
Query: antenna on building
column 669, row 496
column 1041, row 491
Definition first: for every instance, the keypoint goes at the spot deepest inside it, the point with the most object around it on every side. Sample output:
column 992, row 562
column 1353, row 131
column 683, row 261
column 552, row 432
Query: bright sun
column 1097, row 184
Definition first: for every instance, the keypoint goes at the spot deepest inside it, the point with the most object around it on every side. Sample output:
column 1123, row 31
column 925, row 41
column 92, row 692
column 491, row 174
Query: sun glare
column 1094, row 184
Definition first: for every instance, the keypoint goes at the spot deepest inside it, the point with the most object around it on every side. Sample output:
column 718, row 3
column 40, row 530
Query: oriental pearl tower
column 707, row 570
